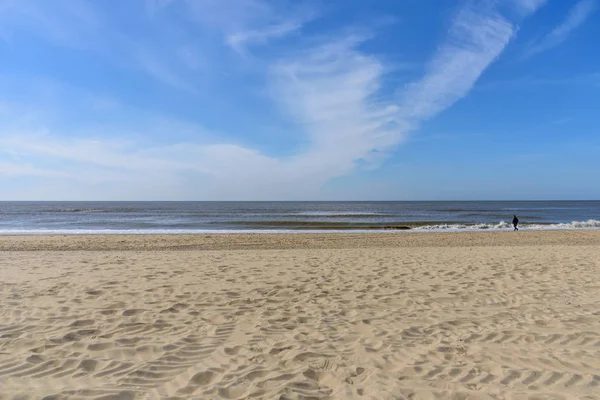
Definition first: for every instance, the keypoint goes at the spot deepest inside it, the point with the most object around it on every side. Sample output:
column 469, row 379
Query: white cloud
column 250, row 22
column 241, row 24
column 161, row 52
column 239, row 40
column 332, row 90
column 476, row 38
column 576, row 17
column 527, row 7
column 191, row 170
column 16, row 169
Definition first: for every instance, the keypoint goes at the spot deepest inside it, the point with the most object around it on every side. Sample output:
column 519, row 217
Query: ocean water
column 289, row 217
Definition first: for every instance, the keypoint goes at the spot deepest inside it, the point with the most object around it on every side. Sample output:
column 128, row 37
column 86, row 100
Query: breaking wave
column 589, row 224
column 502, row 225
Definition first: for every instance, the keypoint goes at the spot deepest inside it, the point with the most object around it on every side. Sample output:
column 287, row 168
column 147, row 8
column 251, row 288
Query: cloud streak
column 332, row 91
column 241, row 39
column 477, row 36
column 576, row 17
column 17, row 169
column 245, row 23
column 526, row 7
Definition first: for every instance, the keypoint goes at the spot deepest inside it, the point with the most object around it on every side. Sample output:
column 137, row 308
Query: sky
column 299, row 100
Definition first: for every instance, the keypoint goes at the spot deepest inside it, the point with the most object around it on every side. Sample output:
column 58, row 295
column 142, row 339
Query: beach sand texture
column 379, row 316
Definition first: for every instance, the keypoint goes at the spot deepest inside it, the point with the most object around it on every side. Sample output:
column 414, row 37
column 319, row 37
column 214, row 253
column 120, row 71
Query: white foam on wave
column 462, row 227
column 502, row 225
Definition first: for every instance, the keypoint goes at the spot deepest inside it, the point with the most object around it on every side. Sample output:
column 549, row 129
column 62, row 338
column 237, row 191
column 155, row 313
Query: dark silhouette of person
column 515, row 222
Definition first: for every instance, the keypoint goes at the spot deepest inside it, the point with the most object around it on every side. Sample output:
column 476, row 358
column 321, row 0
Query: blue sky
column 290, row 100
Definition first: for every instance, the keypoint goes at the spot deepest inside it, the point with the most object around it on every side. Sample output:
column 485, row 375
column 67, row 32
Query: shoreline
column 283, row 241
column 318, row 227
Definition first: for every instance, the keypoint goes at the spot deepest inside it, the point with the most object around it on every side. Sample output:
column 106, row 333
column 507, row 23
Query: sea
column 292, row 217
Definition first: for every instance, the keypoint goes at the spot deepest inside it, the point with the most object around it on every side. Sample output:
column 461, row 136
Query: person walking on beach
column 515, row 222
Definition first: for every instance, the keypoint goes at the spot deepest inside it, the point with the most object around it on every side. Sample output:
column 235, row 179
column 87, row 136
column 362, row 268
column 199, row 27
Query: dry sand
column 497, row 315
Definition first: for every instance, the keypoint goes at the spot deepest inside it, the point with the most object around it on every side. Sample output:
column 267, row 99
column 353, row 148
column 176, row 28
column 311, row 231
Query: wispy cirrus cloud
column 576, row 17
column 332, row 90
column 526, row 7
column 477, row 36
column 18, row 169
column 240, row 39
column 251, row 22
column 160, row 49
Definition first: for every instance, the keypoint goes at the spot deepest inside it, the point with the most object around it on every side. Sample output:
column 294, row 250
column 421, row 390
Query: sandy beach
column 492, row 315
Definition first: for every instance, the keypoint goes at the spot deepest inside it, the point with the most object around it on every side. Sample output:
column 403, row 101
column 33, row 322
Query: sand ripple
column 422, row 323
